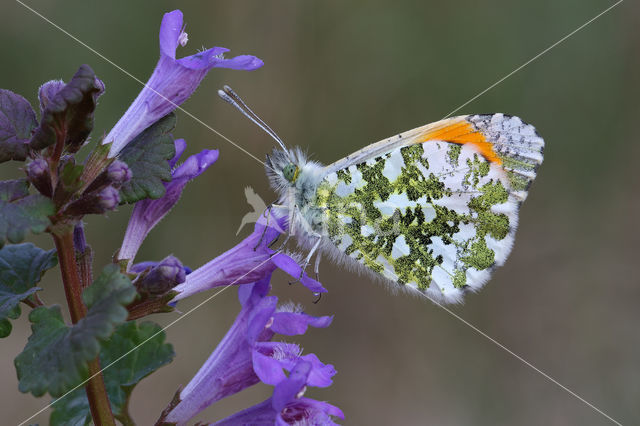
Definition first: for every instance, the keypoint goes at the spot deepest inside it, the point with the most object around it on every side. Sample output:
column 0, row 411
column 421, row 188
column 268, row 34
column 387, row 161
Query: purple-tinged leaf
column 20, row 212
column 17, row 121
column 69, row 113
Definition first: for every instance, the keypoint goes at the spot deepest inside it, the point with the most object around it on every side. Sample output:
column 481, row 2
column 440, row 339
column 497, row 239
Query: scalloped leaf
column 21, row 268
column 56, row 356
column 148, row 155
column 21, row 212
column 121, row 378
column 17, row 121
column 70, row 112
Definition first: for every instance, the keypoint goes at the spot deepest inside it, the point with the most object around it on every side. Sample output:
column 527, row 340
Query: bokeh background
column 340, row 75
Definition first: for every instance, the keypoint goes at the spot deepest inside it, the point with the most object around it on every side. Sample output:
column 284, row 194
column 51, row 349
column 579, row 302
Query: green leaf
column 56, row 356
column 122, row 377
column 21, row 212
column 21, row 267
column 17, row 120
column 70, row 112
column 70, row 176
column 147, row 156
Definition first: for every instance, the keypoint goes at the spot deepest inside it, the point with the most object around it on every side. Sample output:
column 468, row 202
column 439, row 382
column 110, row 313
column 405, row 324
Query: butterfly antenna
column 232, row 97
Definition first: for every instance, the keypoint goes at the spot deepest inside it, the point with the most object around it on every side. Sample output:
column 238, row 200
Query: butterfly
column 432, row 210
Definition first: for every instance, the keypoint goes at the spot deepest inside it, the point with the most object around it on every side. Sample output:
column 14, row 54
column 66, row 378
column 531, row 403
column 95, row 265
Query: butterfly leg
column 291, row 224
column 307, row 260
column 316, row 267
column 267, row 214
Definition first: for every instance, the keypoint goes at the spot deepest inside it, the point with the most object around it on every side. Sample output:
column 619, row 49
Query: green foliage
column 120, row 379
column 70, row 112
column 21, row 267
column 17, row 120
column 56, row 356
column 21, row 212
column 147, row 156
column 70, row 176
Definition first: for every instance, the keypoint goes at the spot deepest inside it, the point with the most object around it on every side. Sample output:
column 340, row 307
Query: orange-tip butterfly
column 433, row 209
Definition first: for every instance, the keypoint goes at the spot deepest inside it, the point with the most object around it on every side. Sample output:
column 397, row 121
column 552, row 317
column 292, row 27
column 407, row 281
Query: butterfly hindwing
column 438, row 209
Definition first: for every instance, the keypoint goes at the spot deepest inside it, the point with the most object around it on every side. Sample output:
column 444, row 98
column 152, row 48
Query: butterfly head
column 283, row 167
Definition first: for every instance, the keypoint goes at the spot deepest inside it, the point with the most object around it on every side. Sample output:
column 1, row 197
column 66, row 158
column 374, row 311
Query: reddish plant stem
column 54, row 159
column 95, row 388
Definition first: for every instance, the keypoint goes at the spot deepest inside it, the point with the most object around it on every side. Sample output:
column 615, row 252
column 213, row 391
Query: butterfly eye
column 290, row 172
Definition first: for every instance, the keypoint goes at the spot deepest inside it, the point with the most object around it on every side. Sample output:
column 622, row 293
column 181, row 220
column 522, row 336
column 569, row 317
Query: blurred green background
column 337, row 76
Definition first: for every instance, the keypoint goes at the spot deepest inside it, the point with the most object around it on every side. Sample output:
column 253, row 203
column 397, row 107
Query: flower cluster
column 246, row 355
column 139, row 162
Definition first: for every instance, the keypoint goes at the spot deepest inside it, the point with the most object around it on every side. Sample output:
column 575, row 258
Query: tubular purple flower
column 248, row 262
column 287, row 406
column 172, row 82
column 147, row 213
column 245, row 356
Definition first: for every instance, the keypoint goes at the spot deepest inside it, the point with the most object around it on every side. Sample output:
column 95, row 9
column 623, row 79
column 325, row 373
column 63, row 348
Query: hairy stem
column 95, row 388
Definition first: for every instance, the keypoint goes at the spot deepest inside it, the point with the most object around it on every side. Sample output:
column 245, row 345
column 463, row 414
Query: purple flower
column 172, row 82
column 246, row 356
column 147, row 213
column 249, row 261
column 287, row 406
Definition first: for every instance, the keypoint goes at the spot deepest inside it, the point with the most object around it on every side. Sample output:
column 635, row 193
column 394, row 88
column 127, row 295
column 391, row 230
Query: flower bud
column 108, row 199
column 97, row 202
column 118, row 173
column 38, row 174
column 47, row 91
column 162, row 277
column 115, row 175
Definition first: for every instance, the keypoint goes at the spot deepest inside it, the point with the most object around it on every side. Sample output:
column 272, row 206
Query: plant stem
column 95, row 388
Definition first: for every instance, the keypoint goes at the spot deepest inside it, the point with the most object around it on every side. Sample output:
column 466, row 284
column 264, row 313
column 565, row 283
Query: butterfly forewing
column 437, row 209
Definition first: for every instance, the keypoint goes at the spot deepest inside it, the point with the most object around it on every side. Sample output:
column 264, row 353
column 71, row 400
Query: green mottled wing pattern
column 434, row 215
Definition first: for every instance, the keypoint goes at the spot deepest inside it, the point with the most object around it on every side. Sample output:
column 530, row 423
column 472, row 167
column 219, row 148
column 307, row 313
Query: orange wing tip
column 460, row 131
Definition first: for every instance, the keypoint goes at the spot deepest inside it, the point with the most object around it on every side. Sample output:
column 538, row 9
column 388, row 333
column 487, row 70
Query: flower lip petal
column 320, row 374
column 287, row 390
column 259, row 317
column 196, row 164
column 325, row 407
column 210, row 58
column 291, row 267
column 268, row 370
column 181, row 146
column 292, row 323
column 170, row 30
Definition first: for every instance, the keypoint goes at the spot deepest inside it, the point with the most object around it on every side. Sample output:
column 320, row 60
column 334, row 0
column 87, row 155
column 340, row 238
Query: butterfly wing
column 436, row 208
